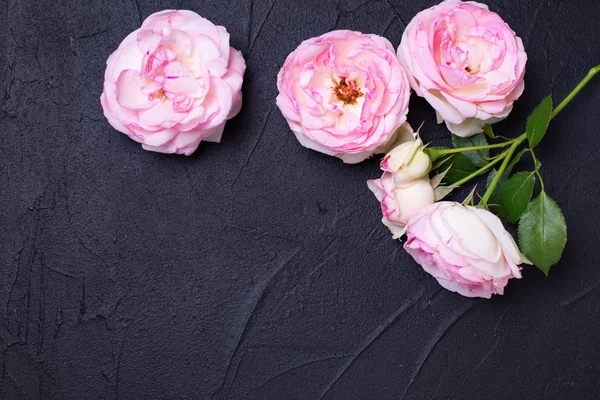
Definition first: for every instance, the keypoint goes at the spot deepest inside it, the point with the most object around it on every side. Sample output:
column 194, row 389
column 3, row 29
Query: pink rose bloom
column 344, row 94
column 404, row 188
column 465, row 248
column 173, row 83
column 466, row 62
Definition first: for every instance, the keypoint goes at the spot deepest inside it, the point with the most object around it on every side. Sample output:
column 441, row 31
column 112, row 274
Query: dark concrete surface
column 257, row 269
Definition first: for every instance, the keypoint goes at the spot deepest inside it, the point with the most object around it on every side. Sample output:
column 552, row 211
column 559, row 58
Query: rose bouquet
column 469, row 65
column 343, row 95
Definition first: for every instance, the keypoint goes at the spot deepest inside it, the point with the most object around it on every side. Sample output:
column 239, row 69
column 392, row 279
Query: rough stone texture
column 257, row 269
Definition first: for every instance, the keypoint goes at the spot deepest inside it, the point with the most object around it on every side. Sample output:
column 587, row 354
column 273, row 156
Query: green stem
column 537, row 172
column 488, row 193
column 537, row 169
column 523, row 137
column 514, row 144
column 577, row 89
column 473, row 148
column 481, row 170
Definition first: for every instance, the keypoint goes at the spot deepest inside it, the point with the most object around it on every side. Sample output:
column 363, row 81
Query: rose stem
column 488, row 193
column 473, row 148
column 517, row 141
column 577, row 89
column 481, row 170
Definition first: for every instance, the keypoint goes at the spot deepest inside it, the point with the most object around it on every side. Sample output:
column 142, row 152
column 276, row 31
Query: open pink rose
column 404, row 188
column 173, row 83
column 344, row 94
column 465, row 248
column 466, row 62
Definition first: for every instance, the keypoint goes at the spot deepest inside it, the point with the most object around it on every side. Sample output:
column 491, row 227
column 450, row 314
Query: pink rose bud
column 173, row 83
column 404, row 187
column 465, row 248
column 344, row 94
column 466, row 62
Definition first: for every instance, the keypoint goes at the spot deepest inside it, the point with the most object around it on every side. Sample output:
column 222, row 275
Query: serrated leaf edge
column 564, row 244
column 545, row 127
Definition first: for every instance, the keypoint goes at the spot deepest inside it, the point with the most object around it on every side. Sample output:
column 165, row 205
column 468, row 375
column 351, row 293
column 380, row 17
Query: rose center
column 347, row 91
column 158, row 94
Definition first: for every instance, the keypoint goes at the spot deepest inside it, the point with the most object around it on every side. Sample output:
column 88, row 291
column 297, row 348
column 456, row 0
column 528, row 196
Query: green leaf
column 479, row 158
column 516, row 195
column 489, row 131
column 461, row 168
column 537, row 123
column 495, row 201
column 543, row 232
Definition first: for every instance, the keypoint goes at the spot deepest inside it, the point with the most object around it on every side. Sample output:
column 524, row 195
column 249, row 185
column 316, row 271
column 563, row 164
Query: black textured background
column 257, row 269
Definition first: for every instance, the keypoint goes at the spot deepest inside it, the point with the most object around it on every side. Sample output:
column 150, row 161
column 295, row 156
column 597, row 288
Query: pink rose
column 173, row 83
column 466, row 62
column 404, row 188
column 465, row 248
column 344, row 94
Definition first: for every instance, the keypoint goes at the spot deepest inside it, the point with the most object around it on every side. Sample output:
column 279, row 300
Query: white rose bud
column 407, row 161
column 404, row 188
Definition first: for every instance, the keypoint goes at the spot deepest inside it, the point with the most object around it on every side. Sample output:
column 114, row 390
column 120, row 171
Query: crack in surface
column 253, row 149
column 260, row 292
column 433, row 344
column 371, row 338
column 396, row 12
column 261, row 26
column 579, row 295
column 297, row 367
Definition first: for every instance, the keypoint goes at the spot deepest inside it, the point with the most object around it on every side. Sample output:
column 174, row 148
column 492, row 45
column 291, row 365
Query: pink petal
column 129, row 90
